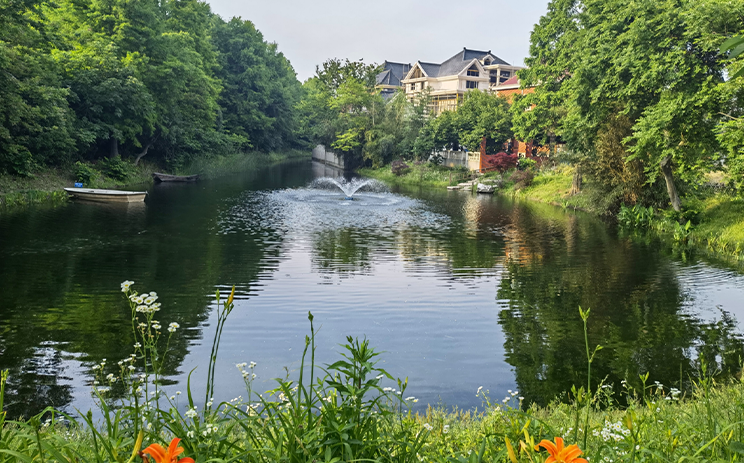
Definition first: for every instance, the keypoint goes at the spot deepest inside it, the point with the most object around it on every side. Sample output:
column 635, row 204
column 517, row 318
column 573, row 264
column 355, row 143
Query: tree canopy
column 99, row 78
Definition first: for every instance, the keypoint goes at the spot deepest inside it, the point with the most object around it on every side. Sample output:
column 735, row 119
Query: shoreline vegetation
column 352, row 410
column 716, row 218
column 46, row 185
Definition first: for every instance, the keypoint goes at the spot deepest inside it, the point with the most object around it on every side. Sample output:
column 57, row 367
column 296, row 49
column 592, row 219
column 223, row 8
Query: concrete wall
column 454, row 158
column 328, row 157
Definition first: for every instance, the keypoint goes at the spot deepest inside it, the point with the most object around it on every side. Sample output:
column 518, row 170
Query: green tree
column 483, row 114
column 260, row 88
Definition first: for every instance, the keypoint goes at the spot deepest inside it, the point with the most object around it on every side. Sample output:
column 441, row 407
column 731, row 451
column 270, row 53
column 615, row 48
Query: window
column 473, row 73
column 486, row 61
column 471, row 84
column 413, row 87
column 505, row 74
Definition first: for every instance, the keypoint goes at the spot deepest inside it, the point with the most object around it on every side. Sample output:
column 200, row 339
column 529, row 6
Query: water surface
column 458, row 290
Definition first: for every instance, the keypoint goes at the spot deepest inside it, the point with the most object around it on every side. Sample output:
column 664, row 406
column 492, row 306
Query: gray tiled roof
column 457, row 63
column 392, row 73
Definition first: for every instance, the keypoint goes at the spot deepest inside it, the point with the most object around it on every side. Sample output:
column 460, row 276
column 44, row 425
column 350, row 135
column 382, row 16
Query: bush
column 85, row 173
column 526, row 163
column 501, row 161
column 522, row 179
column 117, row 168
column 399, row 167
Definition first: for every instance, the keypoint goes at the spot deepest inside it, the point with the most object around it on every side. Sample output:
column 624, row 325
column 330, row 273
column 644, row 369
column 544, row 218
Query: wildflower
column 125, row 286
column 559, row 453
column 410, row 398
column 110, row 377
column 190, row 434
column 131, row 367
column 178, row 392
column 387, row 389
column 173, row 397
column 161, row 455
column 137, row 345
column 240, row 366
column 428, row 426
column 156, row 326
column 173, row 327
column 150, row 300
column 379, row 376
column 478, row 391
column 520, row 398
column 190, row 413
column 252, row 365
column 446, row 429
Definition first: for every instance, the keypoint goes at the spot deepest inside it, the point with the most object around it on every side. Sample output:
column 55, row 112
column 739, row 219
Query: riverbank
column 46, row 186
column 423, row 174
column 717, row 229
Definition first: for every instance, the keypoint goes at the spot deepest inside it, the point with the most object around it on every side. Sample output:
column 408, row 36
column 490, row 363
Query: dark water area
column 458, row 290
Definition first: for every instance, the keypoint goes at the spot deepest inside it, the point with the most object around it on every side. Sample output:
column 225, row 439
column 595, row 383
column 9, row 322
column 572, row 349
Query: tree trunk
column 114, row 148
column 666, row 169
column 576, row 182
column 142, row 154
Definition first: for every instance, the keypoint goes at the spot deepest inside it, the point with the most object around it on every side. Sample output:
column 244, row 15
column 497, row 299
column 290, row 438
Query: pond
column 457, row 290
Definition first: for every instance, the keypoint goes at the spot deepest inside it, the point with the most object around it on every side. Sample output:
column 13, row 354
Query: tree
column 481, row 115
column 260, row 88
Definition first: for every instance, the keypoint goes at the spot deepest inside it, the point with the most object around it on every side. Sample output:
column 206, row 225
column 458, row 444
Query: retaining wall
column 320, row 154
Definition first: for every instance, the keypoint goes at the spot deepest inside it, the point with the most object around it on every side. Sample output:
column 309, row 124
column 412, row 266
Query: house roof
column 392, row 73
column 458, row 63
column 513, row 80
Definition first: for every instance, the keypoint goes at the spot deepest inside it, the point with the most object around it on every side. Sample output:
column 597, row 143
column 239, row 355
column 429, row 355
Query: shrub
column 501, row 161
column 399, row 167
column 117, row 168
column 526, row 163
column 85, row 173
column 522, row 179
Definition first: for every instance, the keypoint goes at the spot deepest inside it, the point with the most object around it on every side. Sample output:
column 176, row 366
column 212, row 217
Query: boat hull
column 107, row 196
column 174, row 178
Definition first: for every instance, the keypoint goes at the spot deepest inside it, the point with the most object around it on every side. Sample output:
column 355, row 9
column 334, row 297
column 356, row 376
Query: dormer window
column 486, row 62
column 473, row 73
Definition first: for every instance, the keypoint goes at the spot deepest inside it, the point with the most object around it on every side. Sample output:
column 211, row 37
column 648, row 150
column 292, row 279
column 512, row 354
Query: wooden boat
column 107, row 196
column 174, row 178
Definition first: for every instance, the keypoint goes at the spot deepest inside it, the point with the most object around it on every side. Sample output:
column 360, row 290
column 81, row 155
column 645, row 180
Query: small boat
column 174, row 178
column 107, row 196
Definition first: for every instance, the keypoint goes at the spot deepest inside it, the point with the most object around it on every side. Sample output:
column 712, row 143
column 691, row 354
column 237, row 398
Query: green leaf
column 737, row 447
column 732, row 42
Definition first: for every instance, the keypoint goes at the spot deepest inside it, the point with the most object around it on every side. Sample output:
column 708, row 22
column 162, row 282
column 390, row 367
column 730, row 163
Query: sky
column 310, row 32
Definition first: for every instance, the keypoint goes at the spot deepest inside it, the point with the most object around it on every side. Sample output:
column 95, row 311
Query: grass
column 424, row 174
column 342, row 413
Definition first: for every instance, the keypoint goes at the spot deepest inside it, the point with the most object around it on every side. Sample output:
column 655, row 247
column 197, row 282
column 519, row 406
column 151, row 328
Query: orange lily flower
column 160, row 455
column 559, row 453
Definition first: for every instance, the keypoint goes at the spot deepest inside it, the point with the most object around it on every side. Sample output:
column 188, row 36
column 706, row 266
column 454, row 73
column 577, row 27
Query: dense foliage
column 637, row 90
column 167, row 79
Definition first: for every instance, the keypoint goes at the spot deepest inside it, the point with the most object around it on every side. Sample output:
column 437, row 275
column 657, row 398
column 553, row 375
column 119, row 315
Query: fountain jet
column 349, row 187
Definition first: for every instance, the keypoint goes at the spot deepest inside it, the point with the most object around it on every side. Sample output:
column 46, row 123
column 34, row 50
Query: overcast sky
column 309, row 32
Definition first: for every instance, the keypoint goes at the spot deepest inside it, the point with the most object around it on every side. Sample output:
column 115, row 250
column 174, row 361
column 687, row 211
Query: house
column 388, row 80
column 511, row 87
column 448, row 82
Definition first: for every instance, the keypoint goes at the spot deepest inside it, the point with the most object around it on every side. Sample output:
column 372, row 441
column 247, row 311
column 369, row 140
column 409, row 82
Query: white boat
column 107, row 196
